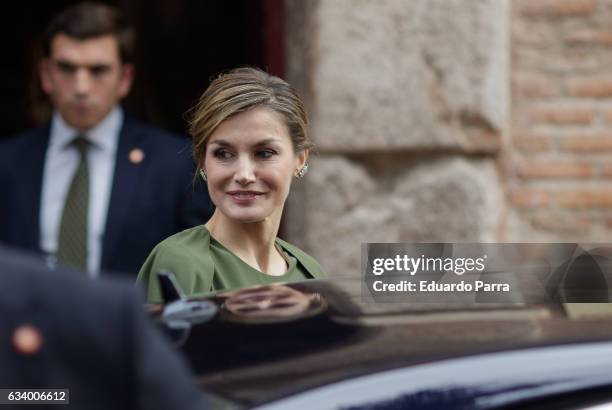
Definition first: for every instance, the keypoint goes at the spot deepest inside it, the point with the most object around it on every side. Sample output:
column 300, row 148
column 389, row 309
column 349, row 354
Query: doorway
column 182, row 45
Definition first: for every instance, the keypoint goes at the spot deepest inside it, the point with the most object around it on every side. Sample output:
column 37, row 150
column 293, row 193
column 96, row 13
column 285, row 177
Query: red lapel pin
column 136, row 156
column 27, row 340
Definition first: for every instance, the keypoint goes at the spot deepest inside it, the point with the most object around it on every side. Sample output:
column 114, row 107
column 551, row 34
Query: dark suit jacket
column 149, row 201
column 96, row 341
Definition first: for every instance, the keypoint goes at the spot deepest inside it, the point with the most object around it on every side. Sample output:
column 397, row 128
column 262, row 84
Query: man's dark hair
column 88, row 20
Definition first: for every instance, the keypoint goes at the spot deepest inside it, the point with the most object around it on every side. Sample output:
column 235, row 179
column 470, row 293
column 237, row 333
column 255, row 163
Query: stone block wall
column 559, row 160
column 409, row 102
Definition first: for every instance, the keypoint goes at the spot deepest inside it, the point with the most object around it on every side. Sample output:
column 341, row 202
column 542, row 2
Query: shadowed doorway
column 182, row 44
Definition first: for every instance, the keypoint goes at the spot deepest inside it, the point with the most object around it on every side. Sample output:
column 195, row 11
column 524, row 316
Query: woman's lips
column 244, row 196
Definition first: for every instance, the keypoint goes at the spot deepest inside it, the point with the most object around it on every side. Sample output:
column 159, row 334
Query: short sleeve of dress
column 184, row 257
column 147, row 275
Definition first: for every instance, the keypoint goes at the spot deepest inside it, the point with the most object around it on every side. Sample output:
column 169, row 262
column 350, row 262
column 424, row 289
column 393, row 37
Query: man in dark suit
column 94, row 188
column 62, row 331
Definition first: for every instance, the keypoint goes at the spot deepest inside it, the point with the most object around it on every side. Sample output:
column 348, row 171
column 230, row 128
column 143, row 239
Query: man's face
column 85, row 78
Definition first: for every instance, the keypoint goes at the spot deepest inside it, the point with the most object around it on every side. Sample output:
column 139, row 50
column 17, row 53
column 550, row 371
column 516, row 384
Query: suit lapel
column 31, row 177
column 125, row 180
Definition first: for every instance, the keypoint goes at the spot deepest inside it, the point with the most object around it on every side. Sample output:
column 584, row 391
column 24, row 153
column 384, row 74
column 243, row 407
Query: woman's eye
column 222, row 154
column 266, row 153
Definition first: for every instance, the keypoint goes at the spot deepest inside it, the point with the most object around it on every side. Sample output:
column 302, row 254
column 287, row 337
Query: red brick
column 534, row 86
column 529, row 198
column 590, row 87
column 586, row 198
column 556, row 7
column 555, row 169
column 607, row 170
column 566, row 223
column 532, row 143
column 586, row 143
column 561, row 115
column 597, row 37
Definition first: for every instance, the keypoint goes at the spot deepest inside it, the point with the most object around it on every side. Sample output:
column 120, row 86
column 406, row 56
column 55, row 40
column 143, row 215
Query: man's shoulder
column 24, row 138
column 164, row 147
column 154, row 135
column 16, row 148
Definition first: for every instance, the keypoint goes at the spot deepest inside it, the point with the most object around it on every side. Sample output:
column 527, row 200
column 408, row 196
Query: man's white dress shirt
column 61, row 163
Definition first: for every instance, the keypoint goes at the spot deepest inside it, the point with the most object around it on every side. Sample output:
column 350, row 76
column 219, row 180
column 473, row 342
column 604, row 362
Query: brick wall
column 560, row 149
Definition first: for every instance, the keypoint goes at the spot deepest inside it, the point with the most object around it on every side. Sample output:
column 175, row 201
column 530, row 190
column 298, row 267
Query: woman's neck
column 252, row 242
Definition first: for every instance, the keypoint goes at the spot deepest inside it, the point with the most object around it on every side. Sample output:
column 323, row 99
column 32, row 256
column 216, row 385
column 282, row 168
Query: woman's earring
column 302, row 171
column 203, row 175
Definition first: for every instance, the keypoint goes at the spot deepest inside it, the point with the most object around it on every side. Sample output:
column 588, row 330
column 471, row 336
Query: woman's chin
column 247, row 217
column 250, row 220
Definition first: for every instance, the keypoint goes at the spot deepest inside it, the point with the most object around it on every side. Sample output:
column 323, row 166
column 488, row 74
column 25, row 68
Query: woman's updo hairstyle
column 238, row 91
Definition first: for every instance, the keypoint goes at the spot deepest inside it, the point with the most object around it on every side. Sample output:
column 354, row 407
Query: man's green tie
column 72, row 244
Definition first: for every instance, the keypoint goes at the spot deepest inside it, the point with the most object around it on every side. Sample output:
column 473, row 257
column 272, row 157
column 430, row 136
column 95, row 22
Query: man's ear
column 127, row 78
column 44, row 73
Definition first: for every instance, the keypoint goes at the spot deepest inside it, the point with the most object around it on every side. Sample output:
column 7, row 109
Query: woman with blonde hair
column 250, row 139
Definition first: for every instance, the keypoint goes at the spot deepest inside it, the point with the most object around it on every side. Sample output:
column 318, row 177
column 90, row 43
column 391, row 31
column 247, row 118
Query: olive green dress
column 202, row 265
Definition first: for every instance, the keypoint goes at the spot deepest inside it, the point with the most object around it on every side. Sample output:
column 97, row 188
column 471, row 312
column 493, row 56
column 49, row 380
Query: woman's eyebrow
column 221, row 142
column 267, row 141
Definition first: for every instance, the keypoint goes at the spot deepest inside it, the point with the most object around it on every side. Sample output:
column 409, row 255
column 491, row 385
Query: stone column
column 409, row 108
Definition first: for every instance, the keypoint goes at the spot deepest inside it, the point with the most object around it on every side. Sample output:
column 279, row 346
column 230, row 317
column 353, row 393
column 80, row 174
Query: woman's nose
column 245, row 173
